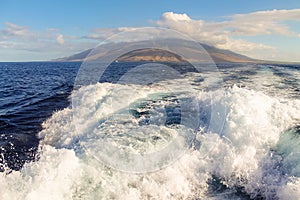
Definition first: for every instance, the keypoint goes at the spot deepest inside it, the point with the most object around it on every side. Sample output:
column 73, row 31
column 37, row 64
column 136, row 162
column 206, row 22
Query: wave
column 241, row 144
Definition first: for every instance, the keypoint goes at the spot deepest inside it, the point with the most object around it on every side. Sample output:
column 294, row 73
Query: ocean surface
column 236, row 133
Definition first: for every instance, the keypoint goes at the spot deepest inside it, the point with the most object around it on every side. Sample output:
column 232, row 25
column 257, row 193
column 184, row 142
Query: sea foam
column 248, row 156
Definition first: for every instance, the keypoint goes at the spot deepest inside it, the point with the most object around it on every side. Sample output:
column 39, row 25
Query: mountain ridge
column 158, row 55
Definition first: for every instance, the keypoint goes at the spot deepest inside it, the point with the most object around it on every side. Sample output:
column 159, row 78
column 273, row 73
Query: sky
column 35, row 30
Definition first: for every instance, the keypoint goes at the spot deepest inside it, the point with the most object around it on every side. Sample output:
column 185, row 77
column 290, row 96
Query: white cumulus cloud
column 176, row 16
column 224, row 34
column 60, row 39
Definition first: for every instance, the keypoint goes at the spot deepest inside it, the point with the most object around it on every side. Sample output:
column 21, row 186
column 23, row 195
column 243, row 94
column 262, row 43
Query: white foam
column 254, row 122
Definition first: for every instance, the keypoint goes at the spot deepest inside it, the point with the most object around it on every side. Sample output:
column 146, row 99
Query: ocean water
column 227, row 134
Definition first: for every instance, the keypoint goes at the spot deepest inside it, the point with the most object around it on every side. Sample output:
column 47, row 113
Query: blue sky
column 43, row 30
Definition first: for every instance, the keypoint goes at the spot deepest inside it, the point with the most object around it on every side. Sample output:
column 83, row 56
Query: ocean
column 230, row 133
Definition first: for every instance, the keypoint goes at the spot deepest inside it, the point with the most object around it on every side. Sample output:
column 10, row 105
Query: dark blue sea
column 30, row 93
column 239, row 126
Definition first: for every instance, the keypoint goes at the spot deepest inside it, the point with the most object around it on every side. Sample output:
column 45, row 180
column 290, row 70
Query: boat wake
column 123, row 141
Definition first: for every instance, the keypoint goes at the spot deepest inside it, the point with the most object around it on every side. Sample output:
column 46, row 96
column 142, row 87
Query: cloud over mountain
column 232, row 33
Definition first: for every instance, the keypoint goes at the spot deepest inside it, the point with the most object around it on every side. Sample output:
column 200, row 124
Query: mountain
column 107, row 52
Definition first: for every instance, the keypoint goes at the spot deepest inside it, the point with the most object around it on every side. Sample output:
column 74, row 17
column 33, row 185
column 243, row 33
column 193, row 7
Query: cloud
column 221, row 34
column 263, row 22
column 121, row 34
column 12, row 30
column 198, row 29
column 102, row 34
column 243, row 46
column 175, row 16
column 60, row 39
column 13, row 33
column 224, row 34
column 17, row 37
column 40, row 45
